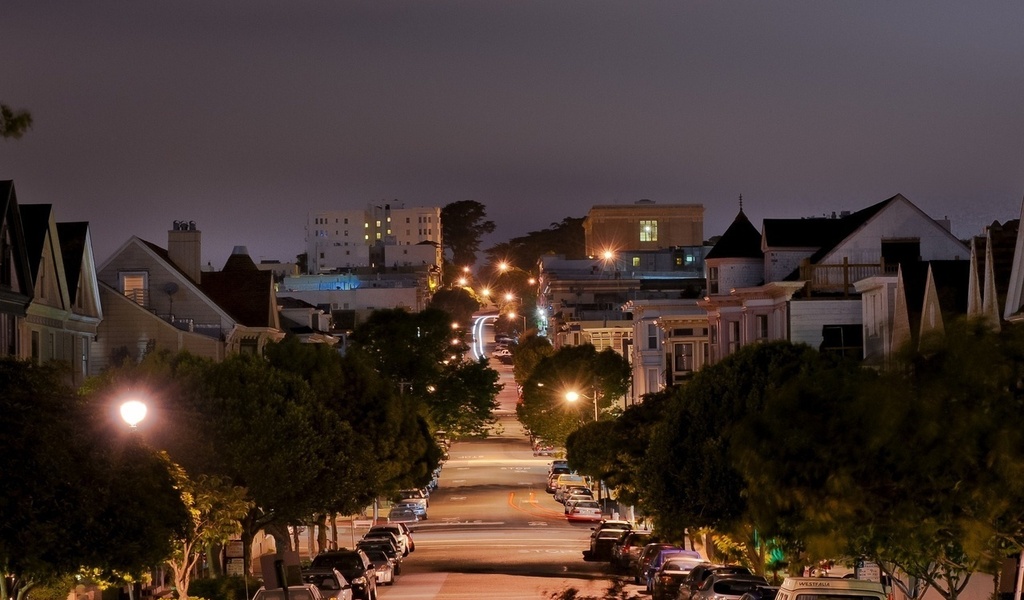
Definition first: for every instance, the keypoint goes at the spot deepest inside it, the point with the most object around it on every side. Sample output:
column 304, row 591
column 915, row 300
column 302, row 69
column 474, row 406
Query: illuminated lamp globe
column 133, row 412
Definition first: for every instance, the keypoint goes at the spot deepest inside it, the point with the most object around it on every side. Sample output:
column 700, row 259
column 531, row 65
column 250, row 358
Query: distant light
column 572, row 396
column 503, row 266
column 509, row 296
column 531, row 281
column 463, row 281
column 608, row 255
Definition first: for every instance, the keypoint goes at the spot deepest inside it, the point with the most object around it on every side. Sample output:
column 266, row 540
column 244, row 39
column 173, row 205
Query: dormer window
column 712, row 280
column 135, row 285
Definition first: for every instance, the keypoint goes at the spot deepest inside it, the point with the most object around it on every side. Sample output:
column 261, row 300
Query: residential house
column 808, row 292
column 16, row 289
column 158, row 298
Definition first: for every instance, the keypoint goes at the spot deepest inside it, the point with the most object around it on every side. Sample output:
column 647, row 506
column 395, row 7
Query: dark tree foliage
column 463, row 225
column 565, row 238
column 689, row 480
column 615, row 454
column 530, row 350
column 414, row 352
column 14, row 123
column 459, row 303
column 545, row 410
column 921, row 469
column 79, row 489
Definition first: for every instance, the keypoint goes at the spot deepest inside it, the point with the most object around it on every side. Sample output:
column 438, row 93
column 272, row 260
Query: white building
column 376, row 236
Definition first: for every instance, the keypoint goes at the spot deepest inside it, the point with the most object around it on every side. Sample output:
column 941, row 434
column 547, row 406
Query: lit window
column 636, row 261
column 135, row 286
column 648, row 231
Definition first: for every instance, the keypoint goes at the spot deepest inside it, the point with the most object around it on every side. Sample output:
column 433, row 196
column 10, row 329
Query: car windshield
column 587, row 504
column 681, row 564
column 377, row 556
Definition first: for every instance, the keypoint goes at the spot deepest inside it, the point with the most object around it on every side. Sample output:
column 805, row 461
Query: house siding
column 806, row 318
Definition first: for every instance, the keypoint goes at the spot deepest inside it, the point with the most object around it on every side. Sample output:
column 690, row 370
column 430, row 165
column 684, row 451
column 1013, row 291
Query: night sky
column 244, row 115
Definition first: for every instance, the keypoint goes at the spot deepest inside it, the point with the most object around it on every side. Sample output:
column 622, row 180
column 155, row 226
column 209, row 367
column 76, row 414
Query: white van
column 829, row 588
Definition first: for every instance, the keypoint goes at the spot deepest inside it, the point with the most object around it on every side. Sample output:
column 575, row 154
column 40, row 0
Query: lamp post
column 514, row 316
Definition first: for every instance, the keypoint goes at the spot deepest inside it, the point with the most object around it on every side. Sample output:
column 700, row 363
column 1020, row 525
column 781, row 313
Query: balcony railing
column 839, row 278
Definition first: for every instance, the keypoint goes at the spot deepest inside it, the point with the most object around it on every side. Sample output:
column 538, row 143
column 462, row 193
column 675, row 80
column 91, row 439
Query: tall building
column 644, row 225
column 387, row 235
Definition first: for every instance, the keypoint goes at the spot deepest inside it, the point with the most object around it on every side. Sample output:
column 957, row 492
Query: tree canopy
column 13, row 122
column 463, row 224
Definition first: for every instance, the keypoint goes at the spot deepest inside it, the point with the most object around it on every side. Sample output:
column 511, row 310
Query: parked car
column 295, row 592
column 414, row 495
column 646, row 556
column 572, row 500
column 331, row 583
column 387, row 548
column 670, row 575
column 357, row 568
column 400, row 531
column 602, row 541
column 659, row 559
column 589, row 510
column 386, row 567
column 613, row 524
column 383, row 535
column 728, row 587
column 416, row 506
column 558, row 463
column 626, row 552
column 695, row 580
column 401, row 513
column 543, row 449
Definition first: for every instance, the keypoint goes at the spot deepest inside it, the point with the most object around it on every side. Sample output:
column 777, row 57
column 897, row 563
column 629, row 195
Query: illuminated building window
column 648, row 231
column 636, row 261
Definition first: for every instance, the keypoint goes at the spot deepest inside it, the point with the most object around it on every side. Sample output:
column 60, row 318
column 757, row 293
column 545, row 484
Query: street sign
column 869, row 571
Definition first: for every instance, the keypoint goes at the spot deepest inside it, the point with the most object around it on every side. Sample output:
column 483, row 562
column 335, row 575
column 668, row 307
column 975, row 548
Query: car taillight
column 666, row 579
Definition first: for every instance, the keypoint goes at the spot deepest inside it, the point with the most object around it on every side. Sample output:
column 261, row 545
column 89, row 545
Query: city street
column 493, row 531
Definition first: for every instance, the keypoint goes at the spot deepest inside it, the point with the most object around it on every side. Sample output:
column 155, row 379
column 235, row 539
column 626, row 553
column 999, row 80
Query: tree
column 547, row 413
column 79, row 491
column 14, row 123
column 565, row 238
column 460, row 304
column 216, row 509
column 462, row 226
column 919, row 469
column 689, row 480
column 531, row 349
column 465, row 398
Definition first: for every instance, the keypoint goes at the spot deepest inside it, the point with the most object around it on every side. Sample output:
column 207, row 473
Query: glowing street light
column 133, row 412
column 503, row 266
column 573, row 396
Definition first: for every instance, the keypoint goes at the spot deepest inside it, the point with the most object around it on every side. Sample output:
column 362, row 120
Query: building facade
column 644, row 225
column 376, row 236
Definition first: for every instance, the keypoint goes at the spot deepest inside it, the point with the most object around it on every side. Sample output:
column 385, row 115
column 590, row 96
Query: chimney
column 184, row 246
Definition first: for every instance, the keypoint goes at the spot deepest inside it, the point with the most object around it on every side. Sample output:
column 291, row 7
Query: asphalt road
column 493, row 531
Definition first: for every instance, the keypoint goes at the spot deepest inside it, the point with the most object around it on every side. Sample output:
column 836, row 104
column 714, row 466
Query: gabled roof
column 166, row 257
column 15, row 297
column 951, row 279
column 822, row 234
column 36, row 221
column 73, row 238
column 740, row 240
column 244, row 291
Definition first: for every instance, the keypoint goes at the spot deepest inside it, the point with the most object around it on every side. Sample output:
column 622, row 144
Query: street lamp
column 573, row 396
column 133, row 412
column 513, row 315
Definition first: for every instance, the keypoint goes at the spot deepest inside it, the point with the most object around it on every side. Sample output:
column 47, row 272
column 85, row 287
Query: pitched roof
column 35, row 219
column 72, row 247
column 15, row 296
column 823, row 234
column 242, row 290
column 740, row 240
column 951, row 279
column 166, row 257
